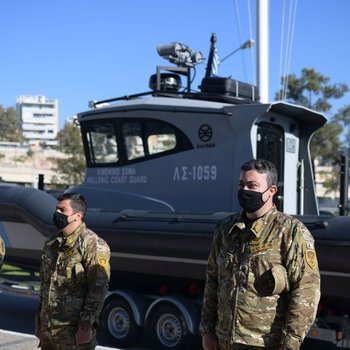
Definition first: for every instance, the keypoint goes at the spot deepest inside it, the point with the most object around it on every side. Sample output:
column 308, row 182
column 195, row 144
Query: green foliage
column 343, row 118
column 73, row 167
column 9, row 128
column 17, row 271
column 314, row 90
column 19, row 159
column 331, row 183
column 30, row 153
column 325, row 144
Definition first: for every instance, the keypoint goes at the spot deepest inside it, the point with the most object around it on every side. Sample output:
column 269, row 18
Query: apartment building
column 38, row 117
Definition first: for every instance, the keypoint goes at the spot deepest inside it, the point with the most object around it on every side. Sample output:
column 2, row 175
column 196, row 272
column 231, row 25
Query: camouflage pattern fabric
column 263, row 282
column 63, row 338
column 2, row 251
column 227, row 346
column 74, row 275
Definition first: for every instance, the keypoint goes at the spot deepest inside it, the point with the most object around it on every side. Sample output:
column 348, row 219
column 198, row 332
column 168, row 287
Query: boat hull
column 145, row 243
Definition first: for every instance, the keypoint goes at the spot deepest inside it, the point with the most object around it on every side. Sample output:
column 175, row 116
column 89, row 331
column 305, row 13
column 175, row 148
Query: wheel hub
column 118, row 322
column 169, row 330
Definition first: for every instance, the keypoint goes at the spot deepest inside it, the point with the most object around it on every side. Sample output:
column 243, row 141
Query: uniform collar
column 70, row 240
column 259, row 224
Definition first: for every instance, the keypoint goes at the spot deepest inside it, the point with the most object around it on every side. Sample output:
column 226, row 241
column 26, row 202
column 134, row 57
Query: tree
column 314, row 90
column 343, row 118
column 325, row 143
column 73, row 167
column 9, row 127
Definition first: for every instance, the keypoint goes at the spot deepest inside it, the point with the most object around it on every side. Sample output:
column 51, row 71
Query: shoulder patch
column 310, row 255
column 103, row 262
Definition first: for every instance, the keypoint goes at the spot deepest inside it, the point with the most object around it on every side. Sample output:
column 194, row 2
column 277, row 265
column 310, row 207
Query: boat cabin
column 169, row 151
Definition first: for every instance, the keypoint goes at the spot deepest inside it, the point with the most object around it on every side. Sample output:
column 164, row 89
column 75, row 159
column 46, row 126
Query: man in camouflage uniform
column 74, row 277
column 2, row 252
column 263, row 284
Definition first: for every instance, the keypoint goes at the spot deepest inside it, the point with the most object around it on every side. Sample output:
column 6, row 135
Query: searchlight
column 180, row 54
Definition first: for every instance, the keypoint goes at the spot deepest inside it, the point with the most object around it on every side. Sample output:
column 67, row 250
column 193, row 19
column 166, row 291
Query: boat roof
column 161, row 101
column 187, row 105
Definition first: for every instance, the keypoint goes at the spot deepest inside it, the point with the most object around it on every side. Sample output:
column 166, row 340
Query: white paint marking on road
column 17, row 333
column 25, row 335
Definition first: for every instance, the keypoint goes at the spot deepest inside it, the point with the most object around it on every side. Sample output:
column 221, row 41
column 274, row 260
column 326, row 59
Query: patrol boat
column 162, row 168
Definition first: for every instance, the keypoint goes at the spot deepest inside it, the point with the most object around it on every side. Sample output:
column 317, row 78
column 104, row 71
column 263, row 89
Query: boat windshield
column 124, row 141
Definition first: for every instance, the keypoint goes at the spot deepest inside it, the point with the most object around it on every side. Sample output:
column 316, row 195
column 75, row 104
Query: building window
column 41, row 115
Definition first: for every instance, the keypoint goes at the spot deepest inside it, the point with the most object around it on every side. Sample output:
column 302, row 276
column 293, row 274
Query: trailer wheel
column 168, row 329
column 118, row 323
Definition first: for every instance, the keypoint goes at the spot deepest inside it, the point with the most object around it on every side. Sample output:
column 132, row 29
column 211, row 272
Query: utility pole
column 344, row 182
column 263, row 49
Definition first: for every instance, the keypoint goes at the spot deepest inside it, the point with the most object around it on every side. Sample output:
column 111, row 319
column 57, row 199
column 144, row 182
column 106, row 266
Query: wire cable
column 240, row 39
column 280, row 77
column 294, row 15
column 287, row 50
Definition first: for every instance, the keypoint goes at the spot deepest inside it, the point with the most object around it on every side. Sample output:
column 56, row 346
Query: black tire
column 118, row 323
column 168, row 329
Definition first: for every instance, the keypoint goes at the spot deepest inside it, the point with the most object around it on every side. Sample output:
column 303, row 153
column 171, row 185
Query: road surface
column 17, row 324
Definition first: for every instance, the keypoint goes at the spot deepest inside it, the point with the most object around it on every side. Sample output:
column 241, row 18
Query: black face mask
column 60, row 220
column 250, row 201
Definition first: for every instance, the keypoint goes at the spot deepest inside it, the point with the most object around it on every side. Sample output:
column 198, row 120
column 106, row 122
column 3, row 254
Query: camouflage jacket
column 263, row 283
column 74, row 277
column 2, row 251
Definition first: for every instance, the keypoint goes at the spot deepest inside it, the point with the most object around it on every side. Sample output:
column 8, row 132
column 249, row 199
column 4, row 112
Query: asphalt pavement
column 17, row 341
column 21, row 341
column 17, row 324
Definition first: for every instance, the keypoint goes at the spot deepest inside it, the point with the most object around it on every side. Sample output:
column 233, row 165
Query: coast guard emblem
column 310, row 257
column 102, row 264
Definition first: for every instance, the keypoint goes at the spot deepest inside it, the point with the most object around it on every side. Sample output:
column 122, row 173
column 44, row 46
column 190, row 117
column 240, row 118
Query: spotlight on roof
column 180, row 54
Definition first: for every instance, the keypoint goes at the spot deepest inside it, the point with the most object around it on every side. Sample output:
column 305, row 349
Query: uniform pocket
column 226, row 262
column 62, row 279
column 67, row 311
column 261, row 271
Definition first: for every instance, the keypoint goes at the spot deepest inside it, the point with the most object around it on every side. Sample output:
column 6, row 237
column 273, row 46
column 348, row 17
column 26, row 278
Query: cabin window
column 129, row 140
column 160, row 142
column 147, row 138
column 102, row 143
column 132, row 133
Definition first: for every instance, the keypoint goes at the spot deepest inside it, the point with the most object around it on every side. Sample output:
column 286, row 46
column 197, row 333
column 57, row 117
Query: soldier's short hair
column 263, row 166
column 78, row 202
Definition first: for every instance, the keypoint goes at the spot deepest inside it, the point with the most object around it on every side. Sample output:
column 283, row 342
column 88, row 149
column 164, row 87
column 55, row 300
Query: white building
column 38, row 118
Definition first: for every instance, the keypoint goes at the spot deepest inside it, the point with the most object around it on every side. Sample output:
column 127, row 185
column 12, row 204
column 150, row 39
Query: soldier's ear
column 274, row 189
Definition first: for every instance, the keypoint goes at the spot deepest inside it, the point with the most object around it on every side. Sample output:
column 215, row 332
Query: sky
column 81, row 50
